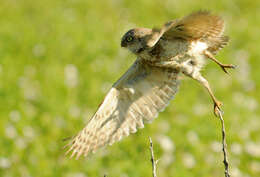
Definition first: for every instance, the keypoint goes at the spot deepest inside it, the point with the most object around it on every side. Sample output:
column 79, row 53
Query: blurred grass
column 59, row 58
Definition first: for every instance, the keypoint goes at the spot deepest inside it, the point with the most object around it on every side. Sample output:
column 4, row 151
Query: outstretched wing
column 138, row 96
column 201, row 26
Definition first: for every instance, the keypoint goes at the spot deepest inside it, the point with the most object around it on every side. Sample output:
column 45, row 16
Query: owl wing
column 137, row 97
column 201, row 26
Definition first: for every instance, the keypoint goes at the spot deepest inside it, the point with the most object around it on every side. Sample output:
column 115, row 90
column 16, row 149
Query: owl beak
column 123, row 43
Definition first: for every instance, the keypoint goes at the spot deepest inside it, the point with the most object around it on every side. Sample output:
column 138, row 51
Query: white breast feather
column 196, row 51
column 198, row 47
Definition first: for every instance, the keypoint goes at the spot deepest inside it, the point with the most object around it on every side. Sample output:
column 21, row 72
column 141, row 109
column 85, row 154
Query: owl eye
column 129, row 38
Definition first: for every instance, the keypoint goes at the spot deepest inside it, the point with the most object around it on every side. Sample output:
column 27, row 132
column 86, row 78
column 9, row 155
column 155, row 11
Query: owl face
column 135, row 39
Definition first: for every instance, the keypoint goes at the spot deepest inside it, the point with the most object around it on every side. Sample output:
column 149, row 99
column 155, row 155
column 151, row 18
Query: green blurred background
column 59, row 58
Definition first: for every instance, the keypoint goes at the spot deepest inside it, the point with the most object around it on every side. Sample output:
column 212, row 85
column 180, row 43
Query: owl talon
column 229, row 66
column 223, row 66
column 217, row 108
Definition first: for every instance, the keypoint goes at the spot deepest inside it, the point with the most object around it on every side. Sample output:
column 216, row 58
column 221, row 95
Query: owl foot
column 224, row 66
column 217, row 107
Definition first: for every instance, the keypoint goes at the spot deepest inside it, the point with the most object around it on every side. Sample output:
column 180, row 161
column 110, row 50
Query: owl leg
column 195, row 74
column 223, row 66
column 165, row 64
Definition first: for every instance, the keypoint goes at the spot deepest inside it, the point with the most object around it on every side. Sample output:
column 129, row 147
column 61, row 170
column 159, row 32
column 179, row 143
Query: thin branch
column 154, row 162
column 224, row 144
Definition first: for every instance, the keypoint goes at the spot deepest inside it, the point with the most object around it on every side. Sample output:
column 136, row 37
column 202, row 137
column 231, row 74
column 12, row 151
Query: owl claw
column 217, row 108
column 223, row 66
column 229, row 66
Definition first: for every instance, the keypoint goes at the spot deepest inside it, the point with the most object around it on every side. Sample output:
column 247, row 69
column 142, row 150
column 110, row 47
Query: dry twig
column 224, row 149
column 154, row 162
column 224, row 144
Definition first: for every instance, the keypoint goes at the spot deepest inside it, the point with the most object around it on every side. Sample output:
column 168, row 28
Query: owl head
column 136, row 39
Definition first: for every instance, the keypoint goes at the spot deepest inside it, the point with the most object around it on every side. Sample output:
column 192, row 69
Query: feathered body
column 186, row 39
column 180, row 46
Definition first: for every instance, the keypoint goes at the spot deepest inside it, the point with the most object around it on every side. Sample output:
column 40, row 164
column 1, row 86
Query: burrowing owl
column 180, row 46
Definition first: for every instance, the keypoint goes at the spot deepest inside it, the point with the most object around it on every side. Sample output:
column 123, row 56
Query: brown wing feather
column 200, row 25
column 138, row 96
